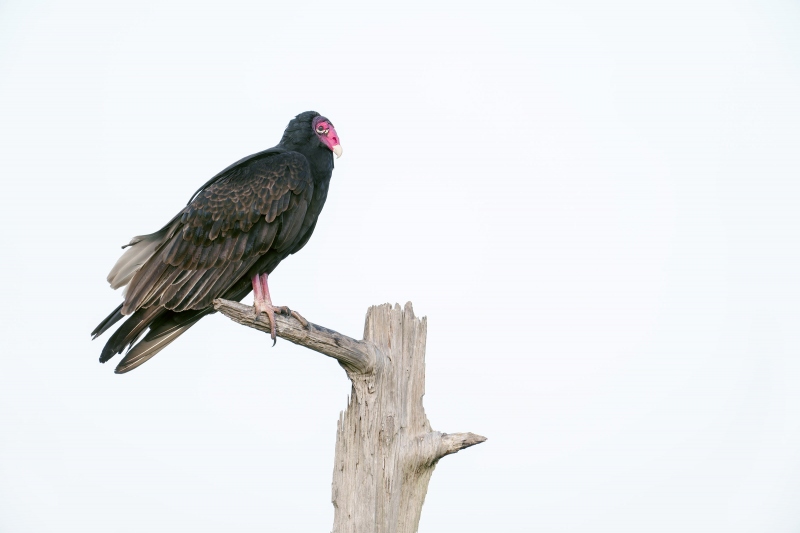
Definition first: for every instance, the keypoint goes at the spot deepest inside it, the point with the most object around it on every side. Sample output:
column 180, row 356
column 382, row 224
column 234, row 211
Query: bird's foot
column 283, row 310
column 262, row 303
column 272, row 310
column 261, row 306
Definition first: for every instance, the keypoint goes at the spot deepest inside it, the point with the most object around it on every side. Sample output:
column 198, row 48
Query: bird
column 231, row 235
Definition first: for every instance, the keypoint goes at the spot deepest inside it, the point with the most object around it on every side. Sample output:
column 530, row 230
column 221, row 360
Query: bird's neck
column 319, row 157
column 322, row 165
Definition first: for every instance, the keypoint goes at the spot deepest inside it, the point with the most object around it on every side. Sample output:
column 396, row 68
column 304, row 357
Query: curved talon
column 262, row 303
column 261, row 307
column 272, row 332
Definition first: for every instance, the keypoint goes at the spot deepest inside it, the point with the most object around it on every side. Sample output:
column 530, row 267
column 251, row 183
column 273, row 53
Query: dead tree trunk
column 385, row 448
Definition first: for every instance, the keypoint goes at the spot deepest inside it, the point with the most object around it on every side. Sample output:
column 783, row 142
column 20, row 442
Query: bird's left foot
column 262, row 303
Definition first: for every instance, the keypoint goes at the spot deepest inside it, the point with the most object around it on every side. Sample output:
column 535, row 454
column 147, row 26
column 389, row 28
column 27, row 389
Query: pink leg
column 262, row 302
column 265, row 287
column 258, row 292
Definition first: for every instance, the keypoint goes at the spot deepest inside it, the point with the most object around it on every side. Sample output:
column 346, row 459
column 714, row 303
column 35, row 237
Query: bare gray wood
column 386, row 450
column 352, row 354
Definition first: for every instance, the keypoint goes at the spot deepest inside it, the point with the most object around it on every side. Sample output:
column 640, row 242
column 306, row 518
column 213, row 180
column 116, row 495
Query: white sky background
column 595, row 204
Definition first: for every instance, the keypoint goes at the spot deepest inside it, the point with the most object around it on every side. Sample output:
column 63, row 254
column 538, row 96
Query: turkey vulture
column 226, row 241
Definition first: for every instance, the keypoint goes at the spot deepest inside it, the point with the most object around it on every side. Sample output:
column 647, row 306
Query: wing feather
column 266, row 236
column 290, row 226
column 198, row 289
column 222, row 232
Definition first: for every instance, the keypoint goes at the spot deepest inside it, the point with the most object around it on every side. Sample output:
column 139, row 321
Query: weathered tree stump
column 385, row 448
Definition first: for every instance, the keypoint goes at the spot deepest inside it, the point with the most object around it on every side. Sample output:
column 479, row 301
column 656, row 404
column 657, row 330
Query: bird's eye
column 320, row 129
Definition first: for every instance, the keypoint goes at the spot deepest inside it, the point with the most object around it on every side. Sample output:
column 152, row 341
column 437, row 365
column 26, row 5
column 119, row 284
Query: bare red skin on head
column 328, row 136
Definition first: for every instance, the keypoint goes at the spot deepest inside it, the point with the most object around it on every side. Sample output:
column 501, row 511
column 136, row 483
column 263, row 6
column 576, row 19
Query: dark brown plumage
column 241, row 223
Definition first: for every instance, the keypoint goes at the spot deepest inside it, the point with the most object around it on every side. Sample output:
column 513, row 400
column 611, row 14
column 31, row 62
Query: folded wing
column 207, row 249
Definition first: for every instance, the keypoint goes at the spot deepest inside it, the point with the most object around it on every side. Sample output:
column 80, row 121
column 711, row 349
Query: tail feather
column 115, row 316
column 128, row 332
column 164, row 327
column 163, row 330
column 146, row 349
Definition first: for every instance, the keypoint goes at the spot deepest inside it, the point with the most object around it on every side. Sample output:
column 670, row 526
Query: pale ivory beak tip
column 338, row 151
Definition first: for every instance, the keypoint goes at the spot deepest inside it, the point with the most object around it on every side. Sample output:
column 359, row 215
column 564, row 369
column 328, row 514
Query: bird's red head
column 326, row 133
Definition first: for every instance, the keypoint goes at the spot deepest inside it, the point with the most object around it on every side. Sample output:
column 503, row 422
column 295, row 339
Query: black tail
column 164, row 329
column 128, row 332
column 165, row 326
column 109, row 321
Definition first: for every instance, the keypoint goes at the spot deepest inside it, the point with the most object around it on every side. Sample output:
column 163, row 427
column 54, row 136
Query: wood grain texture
column 386, row 450
column 354, row 355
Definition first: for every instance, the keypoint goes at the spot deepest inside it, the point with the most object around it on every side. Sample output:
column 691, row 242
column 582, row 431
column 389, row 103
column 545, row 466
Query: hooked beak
column 327, row 135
